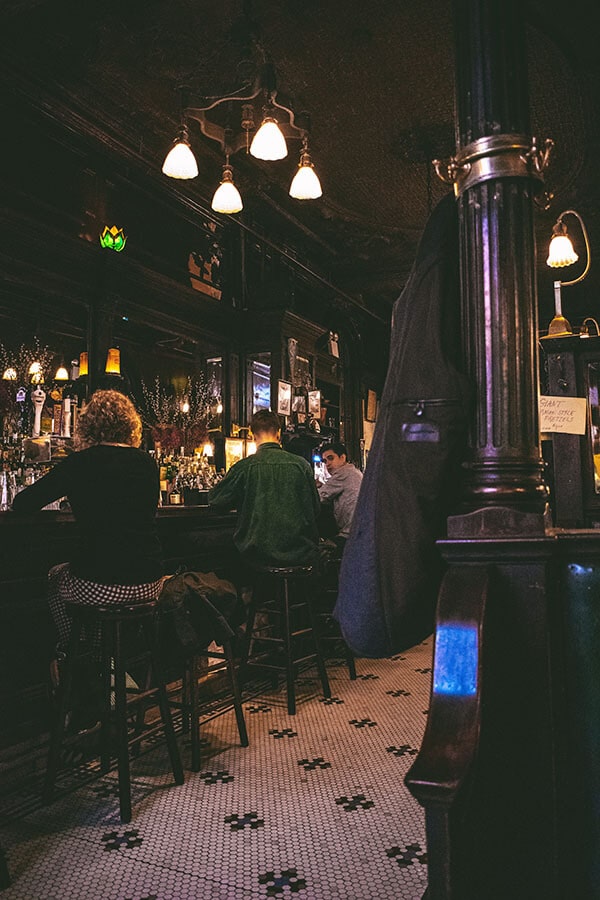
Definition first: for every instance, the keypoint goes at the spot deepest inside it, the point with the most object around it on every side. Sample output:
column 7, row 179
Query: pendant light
column 268, row 142
column 61, row 373
column 305, row 183
column 180, row 162
column 227, row 198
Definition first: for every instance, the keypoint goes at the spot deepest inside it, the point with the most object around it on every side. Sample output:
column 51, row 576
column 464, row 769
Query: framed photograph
column 302, row 375
column 371, row 406
column 299, row 403
column 314, row 403
column 284, row 398
column 234, row 451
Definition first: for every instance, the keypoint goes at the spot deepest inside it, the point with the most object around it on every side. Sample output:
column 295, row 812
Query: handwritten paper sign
column 563, row 414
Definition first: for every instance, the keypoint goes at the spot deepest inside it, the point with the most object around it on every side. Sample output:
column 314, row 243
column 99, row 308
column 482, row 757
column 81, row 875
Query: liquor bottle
column 175, row 498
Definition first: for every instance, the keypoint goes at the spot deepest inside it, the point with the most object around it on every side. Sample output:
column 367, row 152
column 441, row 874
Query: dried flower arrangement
column 177, row 418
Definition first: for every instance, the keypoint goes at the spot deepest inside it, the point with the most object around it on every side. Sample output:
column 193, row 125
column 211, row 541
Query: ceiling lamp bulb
column 180, row 162
column 305, row 184
column 561, row 252
column 227, row 198
column 268, row 142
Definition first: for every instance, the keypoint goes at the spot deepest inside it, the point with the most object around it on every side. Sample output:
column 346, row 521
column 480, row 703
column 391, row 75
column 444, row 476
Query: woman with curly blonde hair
column 113, row 489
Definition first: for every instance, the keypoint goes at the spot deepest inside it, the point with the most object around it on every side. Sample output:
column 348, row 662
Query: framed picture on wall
column 299, row 403
column 284, row 398
column 314, row 403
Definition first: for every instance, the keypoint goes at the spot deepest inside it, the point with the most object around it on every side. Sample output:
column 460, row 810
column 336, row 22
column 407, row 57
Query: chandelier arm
column 587, row 246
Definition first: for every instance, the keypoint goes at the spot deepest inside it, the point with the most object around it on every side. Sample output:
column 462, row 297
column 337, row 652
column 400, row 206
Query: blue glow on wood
column 455, row 665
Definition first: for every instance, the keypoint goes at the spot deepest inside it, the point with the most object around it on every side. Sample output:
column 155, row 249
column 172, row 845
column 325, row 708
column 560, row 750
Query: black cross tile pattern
column 127, row 840
column 310, row 765
column 279, row 885
column 274, row 819
column 330, row 701
column 363, row 723
column 278, row 734
column 411, row 854
column 221, row 777
column 247, row 820
column 351, row 804
column 402, row 750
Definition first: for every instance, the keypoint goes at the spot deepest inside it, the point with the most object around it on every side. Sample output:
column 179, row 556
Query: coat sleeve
column 228, row 492
column 330, row 490
column 53, row 486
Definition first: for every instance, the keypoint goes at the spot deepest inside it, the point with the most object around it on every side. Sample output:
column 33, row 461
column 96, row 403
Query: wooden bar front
column 196, row 537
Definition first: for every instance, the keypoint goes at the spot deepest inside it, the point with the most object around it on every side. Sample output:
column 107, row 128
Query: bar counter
column 194, row 536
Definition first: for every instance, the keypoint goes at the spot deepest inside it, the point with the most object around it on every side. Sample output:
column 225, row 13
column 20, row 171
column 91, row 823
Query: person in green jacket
column 276, row 499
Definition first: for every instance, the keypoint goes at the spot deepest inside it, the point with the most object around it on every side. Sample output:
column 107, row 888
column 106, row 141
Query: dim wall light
column 560, row 254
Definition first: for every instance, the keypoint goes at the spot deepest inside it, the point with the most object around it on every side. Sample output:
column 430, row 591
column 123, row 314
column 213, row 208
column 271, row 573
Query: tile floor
column 314, row 808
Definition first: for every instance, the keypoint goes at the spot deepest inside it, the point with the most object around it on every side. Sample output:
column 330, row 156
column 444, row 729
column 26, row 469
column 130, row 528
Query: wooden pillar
column 490, row 792
column 496, row 172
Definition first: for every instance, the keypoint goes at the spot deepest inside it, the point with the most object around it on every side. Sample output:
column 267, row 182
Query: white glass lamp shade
column 227, row 198
column 268, row 142
column 10, row 374
column 61, row 374
column 305, row 183
column 561, row 252
column 180, row 162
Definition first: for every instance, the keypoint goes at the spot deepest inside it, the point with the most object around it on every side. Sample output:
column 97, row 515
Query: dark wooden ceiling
column 376, row 78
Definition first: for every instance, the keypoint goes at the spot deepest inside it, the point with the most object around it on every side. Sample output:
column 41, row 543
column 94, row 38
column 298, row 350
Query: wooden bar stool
column 329, row 630
column 112, row 622
column 282, row 595
column 190, row 705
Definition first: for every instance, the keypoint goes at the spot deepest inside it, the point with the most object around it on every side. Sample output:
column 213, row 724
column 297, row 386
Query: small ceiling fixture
column 305, row 184
column 257, row 100
column 227, row 198
column 561, row 253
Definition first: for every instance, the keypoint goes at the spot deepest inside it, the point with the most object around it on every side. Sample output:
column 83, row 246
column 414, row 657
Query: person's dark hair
column 109, row 418
column 335, row 447
column 265, row 422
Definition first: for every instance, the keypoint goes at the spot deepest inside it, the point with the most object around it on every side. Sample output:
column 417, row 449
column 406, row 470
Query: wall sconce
column 83, row 364
column 560, row 254
column 113, row 362
column 113, row 238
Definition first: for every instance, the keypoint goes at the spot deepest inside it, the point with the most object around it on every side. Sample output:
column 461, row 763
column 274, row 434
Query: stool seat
column 110, row 622
column 286, row 571
column 284, row 633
